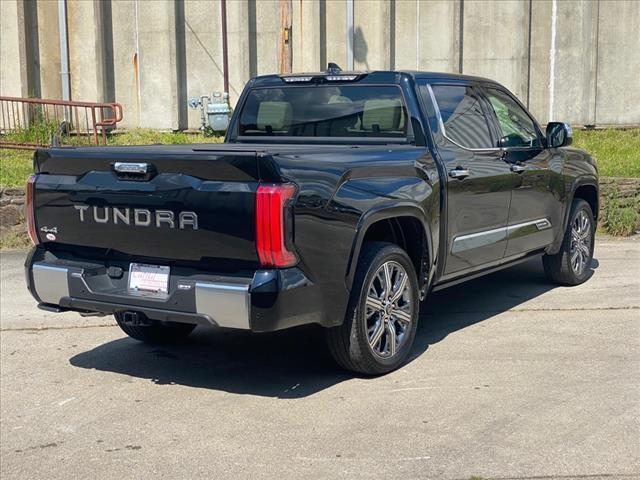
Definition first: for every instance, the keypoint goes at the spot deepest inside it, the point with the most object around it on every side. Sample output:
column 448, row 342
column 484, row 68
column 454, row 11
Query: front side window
column 517, row 127
column 462, row 116
column 325, row 111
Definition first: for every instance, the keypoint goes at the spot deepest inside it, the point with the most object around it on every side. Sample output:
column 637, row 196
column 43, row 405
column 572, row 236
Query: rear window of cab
column 325, row 111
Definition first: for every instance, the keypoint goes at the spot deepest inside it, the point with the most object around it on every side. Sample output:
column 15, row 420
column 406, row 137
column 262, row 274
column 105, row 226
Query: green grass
column 15, row 167
column 15, row 239
column 617, row 152
column 141, row 136
column 618, row 219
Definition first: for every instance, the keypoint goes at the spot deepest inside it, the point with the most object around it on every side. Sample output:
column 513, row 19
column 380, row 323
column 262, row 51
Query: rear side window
column 325, row 111
column 464, row 120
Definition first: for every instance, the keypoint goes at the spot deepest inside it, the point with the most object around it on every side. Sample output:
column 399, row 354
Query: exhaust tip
column 135, row 319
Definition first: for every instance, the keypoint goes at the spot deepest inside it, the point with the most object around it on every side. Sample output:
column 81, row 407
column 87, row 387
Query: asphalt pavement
column 510, row 377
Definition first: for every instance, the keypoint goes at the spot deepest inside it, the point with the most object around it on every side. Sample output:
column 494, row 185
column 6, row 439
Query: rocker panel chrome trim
column 495, row 235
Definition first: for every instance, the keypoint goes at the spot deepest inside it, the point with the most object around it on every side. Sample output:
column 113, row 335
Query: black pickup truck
column 338, row 198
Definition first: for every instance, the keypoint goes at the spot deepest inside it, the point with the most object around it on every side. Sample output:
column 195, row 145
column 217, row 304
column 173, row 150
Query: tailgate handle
column 134, row 171
column 131, row 168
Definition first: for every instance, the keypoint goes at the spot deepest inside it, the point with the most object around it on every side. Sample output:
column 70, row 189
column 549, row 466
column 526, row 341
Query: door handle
column 459, row 173
column 518, row 168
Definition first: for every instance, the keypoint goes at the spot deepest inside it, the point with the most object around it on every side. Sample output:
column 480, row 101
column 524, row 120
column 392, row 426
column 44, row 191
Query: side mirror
column 559, row 134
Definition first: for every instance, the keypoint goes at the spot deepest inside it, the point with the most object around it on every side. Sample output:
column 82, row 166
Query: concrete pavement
column 510, row 378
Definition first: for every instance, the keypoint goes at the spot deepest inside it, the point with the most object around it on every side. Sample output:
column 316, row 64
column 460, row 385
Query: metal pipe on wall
column 65, row 76
column 552, row 59
column 225, row 53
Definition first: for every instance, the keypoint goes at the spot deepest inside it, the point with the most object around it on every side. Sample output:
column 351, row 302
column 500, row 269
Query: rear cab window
column 325, row 111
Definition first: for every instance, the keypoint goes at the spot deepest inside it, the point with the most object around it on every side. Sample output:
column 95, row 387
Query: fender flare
column 581, row 181
column 384, row 212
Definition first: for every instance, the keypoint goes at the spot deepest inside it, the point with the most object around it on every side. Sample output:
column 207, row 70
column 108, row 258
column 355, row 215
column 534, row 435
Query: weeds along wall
column 576, row 61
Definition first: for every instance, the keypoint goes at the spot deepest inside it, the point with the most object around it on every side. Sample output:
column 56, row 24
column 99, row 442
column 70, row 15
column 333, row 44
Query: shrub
column 619, row 219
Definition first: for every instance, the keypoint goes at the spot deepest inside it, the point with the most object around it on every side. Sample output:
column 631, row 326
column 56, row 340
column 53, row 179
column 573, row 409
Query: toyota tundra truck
column 338, row 198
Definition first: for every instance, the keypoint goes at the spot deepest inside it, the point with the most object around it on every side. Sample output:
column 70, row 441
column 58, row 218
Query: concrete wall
column 576, row 60
column 495, row 42
column 13, row 72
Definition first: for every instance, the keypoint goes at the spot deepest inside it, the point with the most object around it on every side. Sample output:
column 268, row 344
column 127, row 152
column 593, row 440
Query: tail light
column 30, row 210
column 273, row 225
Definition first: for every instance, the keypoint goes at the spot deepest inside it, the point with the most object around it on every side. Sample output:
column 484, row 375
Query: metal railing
column 29, row 123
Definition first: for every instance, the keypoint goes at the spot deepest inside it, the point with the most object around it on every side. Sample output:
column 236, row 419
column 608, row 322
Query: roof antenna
column 333, row 68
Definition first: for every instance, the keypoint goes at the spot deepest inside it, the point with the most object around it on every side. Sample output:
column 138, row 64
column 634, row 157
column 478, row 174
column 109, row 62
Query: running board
column 481, row 273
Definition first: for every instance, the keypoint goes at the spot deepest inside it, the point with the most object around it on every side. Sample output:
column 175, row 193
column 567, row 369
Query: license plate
column 148, row 278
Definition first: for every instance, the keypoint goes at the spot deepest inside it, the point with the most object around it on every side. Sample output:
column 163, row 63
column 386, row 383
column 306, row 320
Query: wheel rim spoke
column 399, row 291
column 387, row 280
column 402, row 316
column 374, row 303
column 575, row 235
column 391, row 339
column 374, row 339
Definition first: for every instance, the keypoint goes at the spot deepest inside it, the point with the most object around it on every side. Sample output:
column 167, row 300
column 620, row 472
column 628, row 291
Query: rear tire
column 380, row 325
column 157, row 332
column 570, row 266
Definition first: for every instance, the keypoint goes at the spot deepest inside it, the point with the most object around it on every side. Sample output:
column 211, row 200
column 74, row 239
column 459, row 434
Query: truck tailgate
column 149, row 202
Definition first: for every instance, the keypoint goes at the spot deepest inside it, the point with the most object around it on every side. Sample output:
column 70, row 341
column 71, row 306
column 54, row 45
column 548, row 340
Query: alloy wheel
column 580, row 250
column 388, row 309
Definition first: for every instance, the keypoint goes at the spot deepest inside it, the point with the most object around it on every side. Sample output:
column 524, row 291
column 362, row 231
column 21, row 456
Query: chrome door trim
column 484, row 238
column 478, row 239
column 527, row 228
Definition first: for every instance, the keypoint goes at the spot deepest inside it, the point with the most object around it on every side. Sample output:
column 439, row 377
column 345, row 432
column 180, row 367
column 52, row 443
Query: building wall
column 577, row 61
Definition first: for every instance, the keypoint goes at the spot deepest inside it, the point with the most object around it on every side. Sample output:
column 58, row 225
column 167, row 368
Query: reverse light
column 273, row 226
column 30, row 210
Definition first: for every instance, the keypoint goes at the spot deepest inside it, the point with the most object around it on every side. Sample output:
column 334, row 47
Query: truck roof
column 373, row 76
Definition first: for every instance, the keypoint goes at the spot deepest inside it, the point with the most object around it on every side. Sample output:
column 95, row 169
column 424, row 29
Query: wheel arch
column 588, row 192
column 395, row 223
column 586, row 188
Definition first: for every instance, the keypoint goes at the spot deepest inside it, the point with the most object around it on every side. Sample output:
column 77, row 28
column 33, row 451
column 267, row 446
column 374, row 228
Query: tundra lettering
column 141, row 217
column 338, row 199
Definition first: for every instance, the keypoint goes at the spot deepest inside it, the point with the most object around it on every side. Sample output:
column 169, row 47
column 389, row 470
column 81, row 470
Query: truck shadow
column 295, row 363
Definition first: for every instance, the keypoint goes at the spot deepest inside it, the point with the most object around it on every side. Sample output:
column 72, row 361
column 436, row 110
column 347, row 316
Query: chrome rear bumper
column 224, row 303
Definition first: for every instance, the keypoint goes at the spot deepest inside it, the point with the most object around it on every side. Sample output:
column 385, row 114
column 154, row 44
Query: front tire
column 570, row 266
column 156, row 332
column 379, row 328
